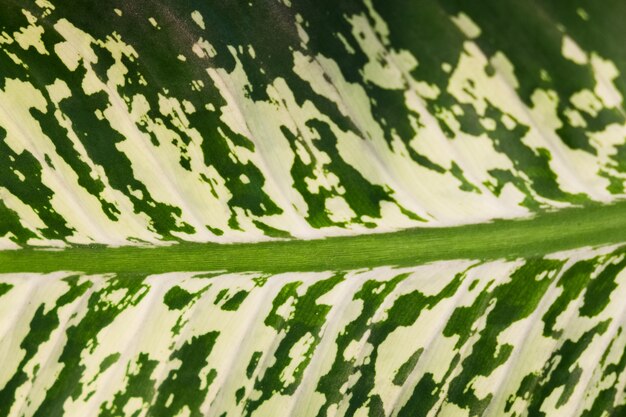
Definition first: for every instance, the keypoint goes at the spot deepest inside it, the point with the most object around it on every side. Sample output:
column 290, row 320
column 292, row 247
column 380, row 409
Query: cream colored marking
column 351, row 146
column 197, row 18
column 120, row 111
column 273, row 155
column 77, row 46
column 28, row 217
column 466, row 25
column 46, row 5
column 129, row 224
column 573, row 52
column 21, row 97
column 30, row 36
column 7, row 243
column 503, row 66
column 605, row 73
column 542, row 124
column 132, row 327
column 451, row 183
column 346, row 45
column 587, row 101
column 401, row 344
column 251, row 335
column 544, row 112
column 49, row 352
column 529, row 352
column 203, row 49
column 306, row 400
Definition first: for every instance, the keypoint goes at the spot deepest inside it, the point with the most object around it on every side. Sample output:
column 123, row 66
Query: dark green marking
column 573, row 282
column 177, row 298
column 184, row 384
column 5, row 288
column 403, row 372
column 139, row 385
column 307, row 320
column 41, row 327
column 82, row 336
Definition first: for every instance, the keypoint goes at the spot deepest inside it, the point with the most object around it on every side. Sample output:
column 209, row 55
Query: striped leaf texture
column 277, row 208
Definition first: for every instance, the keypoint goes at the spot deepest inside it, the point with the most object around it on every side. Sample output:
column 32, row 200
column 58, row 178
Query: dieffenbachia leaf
column 225, row 135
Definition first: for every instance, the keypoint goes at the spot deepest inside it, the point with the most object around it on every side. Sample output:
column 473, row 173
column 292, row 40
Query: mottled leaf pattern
column 541, row 337
column 126, row 122
column 168, row 122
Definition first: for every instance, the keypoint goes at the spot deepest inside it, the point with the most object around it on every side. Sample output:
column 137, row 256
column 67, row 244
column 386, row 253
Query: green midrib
column 546, row 233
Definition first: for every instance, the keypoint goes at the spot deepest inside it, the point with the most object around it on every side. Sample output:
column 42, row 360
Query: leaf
column 275, row 208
